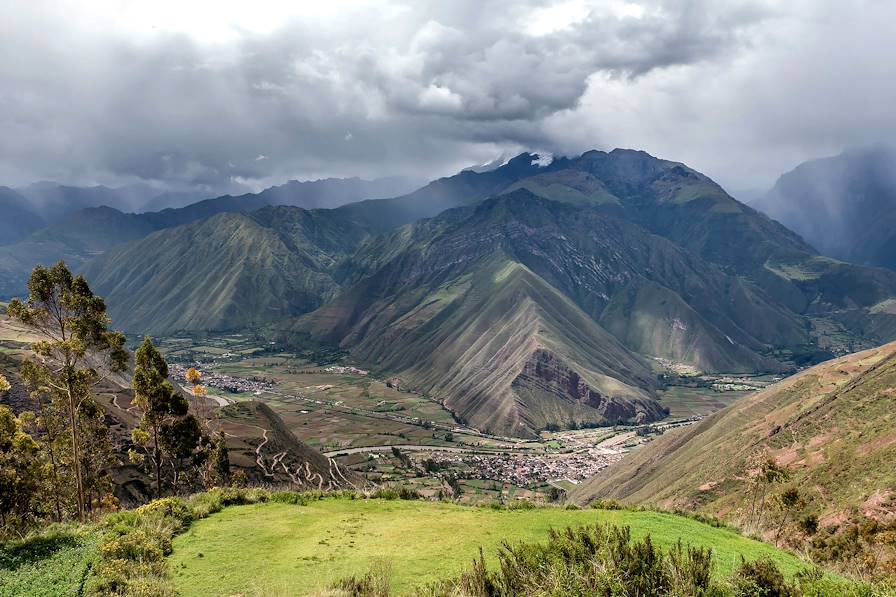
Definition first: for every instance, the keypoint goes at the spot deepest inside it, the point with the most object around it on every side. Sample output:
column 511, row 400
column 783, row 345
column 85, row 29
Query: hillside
column 227, row 272
column 260, row 444
column 845, row 206
column 502, row 311
column 830, row 427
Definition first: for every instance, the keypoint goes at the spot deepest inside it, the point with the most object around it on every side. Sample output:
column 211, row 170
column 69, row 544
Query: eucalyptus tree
column 75, row 350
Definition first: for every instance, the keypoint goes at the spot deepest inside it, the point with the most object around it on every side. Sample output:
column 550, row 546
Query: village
column 228, row 383
column 524, row 470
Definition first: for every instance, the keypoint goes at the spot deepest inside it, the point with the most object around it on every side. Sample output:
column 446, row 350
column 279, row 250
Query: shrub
column 169, row 507
column 290, row 497
column 761, row 579
column 606, row 505
column 396, row 492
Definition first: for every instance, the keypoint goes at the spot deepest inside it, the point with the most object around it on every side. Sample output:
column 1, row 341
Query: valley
column 387, row 433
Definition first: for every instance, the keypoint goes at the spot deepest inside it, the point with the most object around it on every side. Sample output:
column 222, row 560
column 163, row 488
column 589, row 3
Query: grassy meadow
column 283, row 549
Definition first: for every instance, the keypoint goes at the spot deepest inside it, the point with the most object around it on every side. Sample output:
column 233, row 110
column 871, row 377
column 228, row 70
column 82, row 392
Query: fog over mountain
column 207, row 96
column 845, row 205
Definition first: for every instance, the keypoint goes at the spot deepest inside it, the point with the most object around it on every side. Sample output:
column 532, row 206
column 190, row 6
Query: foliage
column 605, row 560
column 20, row 471
column 375, row 583
column 396, row 492
column 73, row 327
column 168, row 432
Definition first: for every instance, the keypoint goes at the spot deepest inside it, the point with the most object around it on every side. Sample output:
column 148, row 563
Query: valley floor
column 277, row 549
column 356, row 418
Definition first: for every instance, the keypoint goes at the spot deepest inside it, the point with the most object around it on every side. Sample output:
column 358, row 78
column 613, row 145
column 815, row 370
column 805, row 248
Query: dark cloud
column 420, row 90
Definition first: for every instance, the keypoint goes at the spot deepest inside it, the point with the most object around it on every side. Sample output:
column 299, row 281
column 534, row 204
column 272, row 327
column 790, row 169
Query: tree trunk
column 76, row 449
column 157, row 454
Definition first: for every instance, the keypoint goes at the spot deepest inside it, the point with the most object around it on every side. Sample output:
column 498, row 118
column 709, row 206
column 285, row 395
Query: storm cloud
column 213, row 95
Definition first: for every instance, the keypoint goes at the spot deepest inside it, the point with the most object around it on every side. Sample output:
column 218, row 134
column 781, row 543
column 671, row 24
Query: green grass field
column 49, row 565
column 279, row 549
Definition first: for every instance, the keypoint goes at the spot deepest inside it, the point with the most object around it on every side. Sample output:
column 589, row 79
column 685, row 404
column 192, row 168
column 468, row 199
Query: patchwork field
column 280, row 549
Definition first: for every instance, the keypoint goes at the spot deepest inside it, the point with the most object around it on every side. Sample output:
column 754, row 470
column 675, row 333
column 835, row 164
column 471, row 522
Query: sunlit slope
column 503, row 349
column 831, row 426
column 227, row 272
column 483, row 304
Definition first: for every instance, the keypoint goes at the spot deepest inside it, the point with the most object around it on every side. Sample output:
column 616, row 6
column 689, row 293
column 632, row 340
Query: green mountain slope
column 831, row 427
column 502, row 309
column 83, row 225
column 227, row 272
column 671, row 200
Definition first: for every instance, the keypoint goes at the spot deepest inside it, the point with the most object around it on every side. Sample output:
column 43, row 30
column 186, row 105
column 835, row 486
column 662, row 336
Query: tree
column 219, row 461
column 193, row 375
column 166, row 430
column 769, row 474
column 20, row 469
column 75, row 339
column 788, row 502
column 181, row 438
column 4, row 385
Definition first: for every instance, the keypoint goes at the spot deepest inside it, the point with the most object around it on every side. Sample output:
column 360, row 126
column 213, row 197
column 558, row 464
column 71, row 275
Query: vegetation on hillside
column 806, row 463
column 606, row 560
column 57, row 461
column 72, row 324
column 130, row 553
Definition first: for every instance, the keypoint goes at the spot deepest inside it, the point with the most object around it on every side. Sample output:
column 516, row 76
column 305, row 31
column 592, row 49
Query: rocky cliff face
column 545, row 373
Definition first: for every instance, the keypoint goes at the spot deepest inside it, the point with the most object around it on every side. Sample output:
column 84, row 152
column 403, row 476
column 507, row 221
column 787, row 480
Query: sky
column 209, row 94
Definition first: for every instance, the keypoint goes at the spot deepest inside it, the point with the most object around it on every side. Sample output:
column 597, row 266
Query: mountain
column 74, row 238
column 172, row 200
column 78, row 234
column 18, row 219
column 54, row 201
column 669, row 199
column 830, row 427
column 464, row 188
column 845, row 206
column 226, row 272
column 543, row 297
column 521, row 312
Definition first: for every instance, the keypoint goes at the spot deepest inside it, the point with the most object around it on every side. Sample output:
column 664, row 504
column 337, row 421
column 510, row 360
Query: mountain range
column 523, row 297
column 46, row 222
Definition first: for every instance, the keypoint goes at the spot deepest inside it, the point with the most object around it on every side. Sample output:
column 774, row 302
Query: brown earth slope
column 832, row 428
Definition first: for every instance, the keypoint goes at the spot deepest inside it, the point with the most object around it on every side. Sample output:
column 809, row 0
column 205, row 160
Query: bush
column 169, row 507
column 599, row 560
column 606, row 505
column 396, row 492
column 761, row 579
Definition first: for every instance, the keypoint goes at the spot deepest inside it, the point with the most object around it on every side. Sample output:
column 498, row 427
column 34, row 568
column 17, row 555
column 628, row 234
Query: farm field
column 284, row 549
